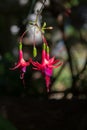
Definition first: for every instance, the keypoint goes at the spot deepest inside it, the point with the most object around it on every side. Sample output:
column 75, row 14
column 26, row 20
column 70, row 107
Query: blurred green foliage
column 6, row 125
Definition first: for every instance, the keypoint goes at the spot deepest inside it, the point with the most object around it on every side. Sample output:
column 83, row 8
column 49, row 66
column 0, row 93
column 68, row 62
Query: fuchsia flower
column 47, row 65
column 22, row 64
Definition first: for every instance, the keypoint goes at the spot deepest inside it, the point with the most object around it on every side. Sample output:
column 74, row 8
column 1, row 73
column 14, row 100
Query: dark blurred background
column 66, row 101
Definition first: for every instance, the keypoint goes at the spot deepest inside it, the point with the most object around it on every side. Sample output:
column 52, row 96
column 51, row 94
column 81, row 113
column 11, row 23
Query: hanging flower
column 47, row 65
column 22, row 64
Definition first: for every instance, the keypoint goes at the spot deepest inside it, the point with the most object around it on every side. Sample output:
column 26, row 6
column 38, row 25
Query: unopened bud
column 34, row 51
column 50, row 28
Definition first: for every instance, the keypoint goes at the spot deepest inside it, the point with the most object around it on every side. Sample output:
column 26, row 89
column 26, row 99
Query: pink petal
column 51, row 60
column 46, row 62
column 36, row 68
column 36, row 64
column 56, row 61
column 59, row 64
column 17, row 66
column 30, row 60
column 47, row 79
column 22, row 76
column 23, row 69
column 48, row 71
column 24, row 63
column 27, row 63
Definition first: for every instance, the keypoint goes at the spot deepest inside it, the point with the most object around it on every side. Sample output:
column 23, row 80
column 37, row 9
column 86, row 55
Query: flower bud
column 34, row 51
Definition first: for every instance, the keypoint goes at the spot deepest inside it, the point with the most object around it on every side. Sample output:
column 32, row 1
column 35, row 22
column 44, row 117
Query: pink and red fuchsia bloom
column 22, row 64
column 47, row 65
